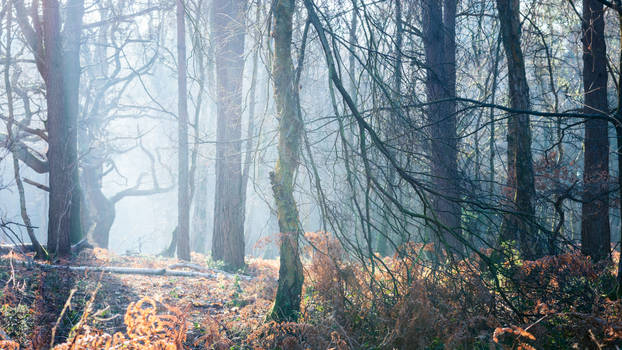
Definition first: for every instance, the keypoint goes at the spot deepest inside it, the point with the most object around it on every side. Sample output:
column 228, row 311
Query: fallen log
column 172, row 270
column 138, row 271
column 29, row 248
column 200, row 268
column 129, row 270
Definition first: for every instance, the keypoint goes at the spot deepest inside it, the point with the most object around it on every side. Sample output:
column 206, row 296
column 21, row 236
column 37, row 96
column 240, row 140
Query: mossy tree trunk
column 287, row 303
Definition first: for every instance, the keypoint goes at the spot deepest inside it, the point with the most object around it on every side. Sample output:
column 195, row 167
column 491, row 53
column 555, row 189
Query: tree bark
column 71, row 36
column 228, row 36
column 183, row 197
column 595, row 230
column 101, row 209
column 287, row 303
column 61, row 73
column 439, row 21
column 518, row 224
column 62, row 143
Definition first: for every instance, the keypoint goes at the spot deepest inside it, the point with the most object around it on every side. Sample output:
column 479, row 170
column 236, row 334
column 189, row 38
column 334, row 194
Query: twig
column 60, row 317
column 36, row 184
column 89, row 304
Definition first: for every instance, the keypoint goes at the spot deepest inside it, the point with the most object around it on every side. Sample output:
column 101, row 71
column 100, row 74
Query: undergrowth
column 491, row 300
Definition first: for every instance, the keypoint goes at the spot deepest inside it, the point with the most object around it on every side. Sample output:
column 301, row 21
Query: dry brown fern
column 8, row 345
column 146, row 330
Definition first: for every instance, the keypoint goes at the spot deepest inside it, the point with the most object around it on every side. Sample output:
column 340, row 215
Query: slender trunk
column 595, row 230
column 197, row 232
column 228, row 36
column 492, row 141
column 287, row 302
column 250, row 131
column 390, row 125
column 97, row 211
column 11, row 139
column 200, row 217
column 619, row 140
column 518, row 225
column 183, row 200
column 71, row 36
column 440, row 50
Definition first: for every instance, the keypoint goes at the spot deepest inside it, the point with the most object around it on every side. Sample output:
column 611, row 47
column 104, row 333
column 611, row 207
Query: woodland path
column 233, row 304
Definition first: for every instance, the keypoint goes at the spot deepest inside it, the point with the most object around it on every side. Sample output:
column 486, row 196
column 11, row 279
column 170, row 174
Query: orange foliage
column 146, row 330
column 8, row 345
column 517, row 338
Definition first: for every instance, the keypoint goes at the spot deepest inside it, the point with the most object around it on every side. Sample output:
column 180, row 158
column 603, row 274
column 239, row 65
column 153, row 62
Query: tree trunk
column 200, row 218
column 518, row 224
column 228, row 37
column 618, row 126
column 440, row 50
column 391, row 124
column 61, row 76
column 101, row 209
column 71, row 36
column 595, row 230
column 250, row 128
column 287, row 303
column 197, row 176
column 183, row 198
column 61, row 139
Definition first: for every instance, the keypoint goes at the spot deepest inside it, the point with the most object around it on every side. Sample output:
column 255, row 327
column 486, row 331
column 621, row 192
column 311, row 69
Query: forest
column 310, row 174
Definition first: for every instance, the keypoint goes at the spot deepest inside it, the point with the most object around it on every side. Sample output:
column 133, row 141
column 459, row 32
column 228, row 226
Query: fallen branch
column 172, row 270
column 128, row 270
column 195, row 267
column 138, row 271
column 28, row 247
column 200, row 268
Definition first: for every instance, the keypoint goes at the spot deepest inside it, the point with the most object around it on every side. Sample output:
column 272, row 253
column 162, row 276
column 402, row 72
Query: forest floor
column 226, row 305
